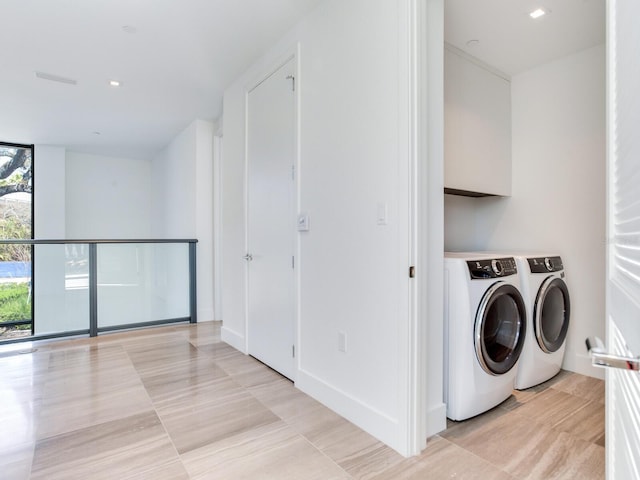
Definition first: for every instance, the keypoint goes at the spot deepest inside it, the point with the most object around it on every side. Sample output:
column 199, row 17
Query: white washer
column 485, row 329
column 548, row 310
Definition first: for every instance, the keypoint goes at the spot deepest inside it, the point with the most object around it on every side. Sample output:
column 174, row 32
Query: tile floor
column 176, row 403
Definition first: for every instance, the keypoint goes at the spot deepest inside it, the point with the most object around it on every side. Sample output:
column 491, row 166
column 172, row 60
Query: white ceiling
column 173, row 69
column 184, row 53
column 512, row 42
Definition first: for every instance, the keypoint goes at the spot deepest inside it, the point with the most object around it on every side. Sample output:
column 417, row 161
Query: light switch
column 382, row 214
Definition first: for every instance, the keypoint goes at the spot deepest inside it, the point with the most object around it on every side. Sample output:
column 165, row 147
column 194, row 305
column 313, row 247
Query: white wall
column 49, row 197
column 107, row 197
column 558, row 199
column 182, row 201
column 353, row 133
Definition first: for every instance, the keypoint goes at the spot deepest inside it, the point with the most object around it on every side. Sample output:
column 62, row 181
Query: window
column 16, row 222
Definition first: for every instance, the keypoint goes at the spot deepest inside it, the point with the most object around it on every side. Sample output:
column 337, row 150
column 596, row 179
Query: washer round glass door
column 551, row 314
column 500, row 328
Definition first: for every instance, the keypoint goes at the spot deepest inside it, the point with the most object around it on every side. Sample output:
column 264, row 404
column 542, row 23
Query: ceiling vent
column 56, row 78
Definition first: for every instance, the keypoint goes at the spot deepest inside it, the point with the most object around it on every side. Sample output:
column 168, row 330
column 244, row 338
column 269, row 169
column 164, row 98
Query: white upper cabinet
column 477, row 119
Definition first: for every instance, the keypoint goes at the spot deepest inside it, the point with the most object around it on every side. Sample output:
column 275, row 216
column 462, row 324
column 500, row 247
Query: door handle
column 248, row 257
column 600, row 358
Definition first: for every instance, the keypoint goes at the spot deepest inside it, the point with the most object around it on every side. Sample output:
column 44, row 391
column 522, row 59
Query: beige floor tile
column 369, row 459
column 203, row 333
column 15, row 459
column 284, row 399
column 586, row 423
column 173, row 470
column 145, row 336
column 22, row 389
column 76, row 383
column 218, row 392
column 565, row 458
column 279, row 454
column 63, row 414
column 219, row 351
column 155, row 358
column 444, row 460
column 258, row 376
column 200, row 425
column 551, row 406
column 248, row 371
column 124, row 448
column 23, row 376
column 173, row 380
column 523, row 447
column 22, row 362
column 86, row 358
column 315, row 423
column 518, row 398
column 588, row 388
column 18, row 421
column 357, row 452
column 124, row 404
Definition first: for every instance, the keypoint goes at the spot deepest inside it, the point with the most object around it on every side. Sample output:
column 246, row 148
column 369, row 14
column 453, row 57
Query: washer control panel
column 492, row 267
column 545, row 264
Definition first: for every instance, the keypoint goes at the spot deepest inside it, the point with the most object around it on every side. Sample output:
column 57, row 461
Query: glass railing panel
column 15, row 291
column 61, row 288
column 142, row 282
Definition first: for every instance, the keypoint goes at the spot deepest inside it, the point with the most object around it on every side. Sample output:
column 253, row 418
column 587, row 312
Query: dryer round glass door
column 500, row 328
column 551, row 314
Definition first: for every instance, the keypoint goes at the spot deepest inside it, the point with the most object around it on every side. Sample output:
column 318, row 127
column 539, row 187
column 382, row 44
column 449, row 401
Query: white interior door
column 270, row 217
column 623, row 272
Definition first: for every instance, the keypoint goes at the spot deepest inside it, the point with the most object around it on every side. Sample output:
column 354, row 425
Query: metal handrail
column 38, row 241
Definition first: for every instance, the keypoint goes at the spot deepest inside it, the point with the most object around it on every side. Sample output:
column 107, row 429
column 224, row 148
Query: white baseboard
column 234, row 339
column 374, row 422
column 436, row 419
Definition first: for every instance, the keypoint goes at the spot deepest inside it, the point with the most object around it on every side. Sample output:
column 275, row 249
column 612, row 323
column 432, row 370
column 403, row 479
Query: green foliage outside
column 15, row 303
column 15, row 228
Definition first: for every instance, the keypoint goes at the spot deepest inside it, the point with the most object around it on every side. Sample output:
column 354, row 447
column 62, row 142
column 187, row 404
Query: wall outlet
column 382, row 214
column 342, row 342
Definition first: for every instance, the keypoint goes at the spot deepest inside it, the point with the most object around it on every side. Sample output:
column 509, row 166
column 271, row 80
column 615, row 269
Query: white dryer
column 548, row 310
column 485, row 330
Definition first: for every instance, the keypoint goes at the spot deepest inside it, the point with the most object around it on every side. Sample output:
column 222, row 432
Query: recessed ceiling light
column 537, row 13
column 114, row 83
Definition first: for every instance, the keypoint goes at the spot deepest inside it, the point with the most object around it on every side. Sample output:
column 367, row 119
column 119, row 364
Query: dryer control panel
column 492, row 268
column 545, row 264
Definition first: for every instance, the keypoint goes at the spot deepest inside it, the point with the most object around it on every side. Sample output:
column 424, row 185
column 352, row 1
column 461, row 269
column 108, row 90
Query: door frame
column 266, row 72
column 218, row 146
column 427, row 222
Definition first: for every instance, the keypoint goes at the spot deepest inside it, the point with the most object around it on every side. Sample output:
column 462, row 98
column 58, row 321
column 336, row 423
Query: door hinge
column 293, row 172
column 412, row 271
column 293, row 262
column 293, row 351
column 293, row 82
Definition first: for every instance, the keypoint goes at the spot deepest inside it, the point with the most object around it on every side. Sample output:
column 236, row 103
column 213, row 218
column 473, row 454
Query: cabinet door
column 477, row 123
